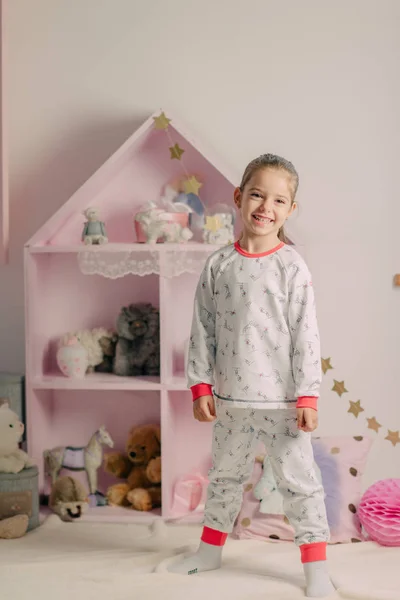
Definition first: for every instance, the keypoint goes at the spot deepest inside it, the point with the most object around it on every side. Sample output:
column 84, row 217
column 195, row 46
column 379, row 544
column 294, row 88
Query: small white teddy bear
column 12, row 458
column 94, row 231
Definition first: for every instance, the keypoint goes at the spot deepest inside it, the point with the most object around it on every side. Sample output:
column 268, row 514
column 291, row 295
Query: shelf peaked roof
column 70, row 213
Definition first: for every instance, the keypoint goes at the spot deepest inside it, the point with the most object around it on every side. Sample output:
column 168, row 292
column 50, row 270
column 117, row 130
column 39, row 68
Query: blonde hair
column 272, row 161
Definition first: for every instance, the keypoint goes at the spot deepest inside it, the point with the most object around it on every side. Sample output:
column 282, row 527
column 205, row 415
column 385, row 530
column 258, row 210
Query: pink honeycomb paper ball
column 379, row 512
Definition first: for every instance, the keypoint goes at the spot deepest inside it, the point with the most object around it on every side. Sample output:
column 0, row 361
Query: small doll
column 94, row 231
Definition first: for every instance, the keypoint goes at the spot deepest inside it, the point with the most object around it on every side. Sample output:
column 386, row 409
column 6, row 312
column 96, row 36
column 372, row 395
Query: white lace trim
column 168, row 263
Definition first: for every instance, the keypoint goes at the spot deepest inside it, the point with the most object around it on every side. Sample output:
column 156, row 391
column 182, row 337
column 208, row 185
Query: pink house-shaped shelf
column 61, row 298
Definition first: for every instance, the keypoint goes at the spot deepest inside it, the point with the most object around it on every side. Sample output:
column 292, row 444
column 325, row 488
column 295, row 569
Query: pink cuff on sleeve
column 201, row 389
column 307, row 402
column 313, row 552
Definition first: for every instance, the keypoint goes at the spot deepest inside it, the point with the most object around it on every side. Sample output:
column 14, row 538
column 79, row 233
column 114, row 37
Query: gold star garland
column 191, row 184
column 355, row 408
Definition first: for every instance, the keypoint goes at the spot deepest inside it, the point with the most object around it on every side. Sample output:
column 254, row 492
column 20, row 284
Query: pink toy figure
column 379, row 512
column 72, row 359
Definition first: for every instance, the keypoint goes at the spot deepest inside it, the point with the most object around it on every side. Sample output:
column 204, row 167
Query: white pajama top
column 254, row 338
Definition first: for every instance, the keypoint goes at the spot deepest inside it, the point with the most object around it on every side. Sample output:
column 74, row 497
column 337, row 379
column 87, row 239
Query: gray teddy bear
column 138, row 348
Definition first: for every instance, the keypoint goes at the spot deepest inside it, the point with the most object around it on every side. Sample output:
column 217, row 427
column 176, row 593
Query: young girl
column 255, row 370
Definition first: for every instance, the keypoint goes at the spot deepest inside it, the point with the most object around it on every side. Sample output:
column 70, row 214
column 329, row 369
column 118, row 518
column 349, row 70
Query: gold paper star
column 326, row 365
column 192, row 185
column 161, row 122
column 355, row 408
column 212, row 224
column 393, row 436
column 339, row 387
column 176, row 151
column 373, row 424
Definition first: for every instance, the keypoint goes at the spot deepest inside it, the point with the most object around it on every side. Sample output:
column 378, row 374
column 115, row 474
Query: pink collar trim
column 249, row 255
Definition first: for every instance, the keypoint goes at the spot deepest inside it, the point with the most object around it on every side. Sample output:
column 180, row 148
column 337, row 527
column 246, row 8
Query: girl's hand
column 307, row 419
column 204, row 408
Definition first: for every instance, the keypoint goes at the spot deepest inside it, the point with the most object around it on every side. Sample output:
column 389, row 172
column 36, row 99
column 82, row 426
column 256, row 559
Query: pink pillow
column 341, row 461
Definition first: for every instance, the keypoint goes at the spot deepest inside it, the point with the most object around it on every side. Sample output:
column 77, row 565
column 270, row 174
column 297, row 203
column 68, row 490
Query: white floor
column 92, row 561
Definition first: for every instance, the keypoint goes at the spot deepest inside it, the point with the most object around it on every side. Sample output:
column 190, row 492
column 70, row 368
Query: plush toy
column 140, row 466
column 95, row 341
column 138, row 347
column 68, row 499
column 12, row 458
column 13, row 527
column 94, row 231
column 218, row 229
column 157, row 225
column 266, row 490
column 84, row 458
column 108, row 345
column 72, row 359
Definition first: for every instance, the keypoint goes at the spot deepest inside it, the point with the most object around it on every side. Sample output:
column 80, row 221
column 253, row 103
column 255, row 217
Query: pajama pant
column 237, row 433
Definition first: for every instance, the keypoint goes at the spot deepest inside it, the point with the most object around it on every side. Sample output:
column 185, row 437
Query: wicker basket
column 19, row 494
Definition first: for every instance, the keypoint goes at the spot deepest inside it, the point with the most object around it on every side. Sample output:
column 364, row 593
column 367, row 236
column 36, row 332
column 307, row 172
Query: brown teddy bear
column 140, row 466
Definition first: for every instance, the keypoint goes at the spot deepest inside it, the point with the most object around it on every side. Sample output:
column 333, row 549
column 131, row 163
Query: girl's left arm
column 306, row 353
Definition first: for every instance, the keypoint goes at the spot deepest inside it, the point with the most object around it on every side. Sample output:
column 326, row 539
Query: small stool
column 19, row 494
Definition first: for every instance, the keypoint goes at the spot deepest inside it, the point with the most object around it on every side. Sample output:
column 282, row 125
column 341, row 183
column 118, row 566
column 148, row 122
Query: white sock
column 319, row 584
column 207, row 558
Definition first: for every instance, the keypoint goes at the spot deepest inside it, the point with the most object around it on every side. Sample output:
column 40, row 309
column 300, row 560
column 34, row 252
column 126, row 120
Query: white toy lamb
column 12, row 458
column 90, row 340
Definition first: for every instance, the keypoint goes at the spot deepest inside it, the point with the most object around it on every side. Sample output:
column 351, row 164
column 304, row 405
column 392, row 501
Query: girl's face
column 266, row 202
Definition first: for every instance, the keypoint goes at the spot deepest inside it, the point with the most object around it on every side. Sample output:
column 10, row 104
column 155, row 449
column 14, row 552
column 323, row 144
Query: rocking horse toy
column 86, row 458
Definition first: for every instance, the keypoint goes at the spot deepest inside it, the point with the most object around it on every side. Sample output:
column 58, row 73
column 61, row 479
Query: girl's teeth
column 262, row 219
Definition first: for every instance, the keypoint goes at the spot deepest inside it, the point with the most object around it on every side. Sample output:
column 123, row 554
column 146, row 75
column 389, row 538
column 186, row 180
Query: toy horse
column 87, row 458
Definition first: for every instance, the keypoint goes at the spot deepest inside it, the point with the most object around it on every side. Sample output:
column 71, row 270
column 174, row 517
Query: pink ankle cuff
column 313, row 552
column 213, row 537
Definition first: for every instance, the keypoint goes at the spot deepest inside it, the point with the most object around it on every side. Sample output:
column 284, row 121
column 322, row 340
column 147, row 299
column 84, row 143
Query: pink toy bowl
column 182, row 218
column 379, row 512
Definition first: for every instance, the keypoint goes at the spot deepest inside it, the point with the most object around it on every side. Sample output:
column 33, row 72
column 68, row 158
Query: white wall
column 314, row 80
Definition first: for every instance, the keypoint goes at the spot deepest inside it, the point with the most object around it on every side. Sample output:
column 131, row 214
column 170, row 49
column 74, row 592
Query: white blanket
column 93, row 561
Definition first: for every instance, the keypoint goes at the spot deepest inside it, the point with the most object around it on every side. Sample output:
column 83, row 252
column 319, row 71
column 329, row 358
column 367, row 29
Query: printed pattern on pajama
column 237, row 433
column 254, row 336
